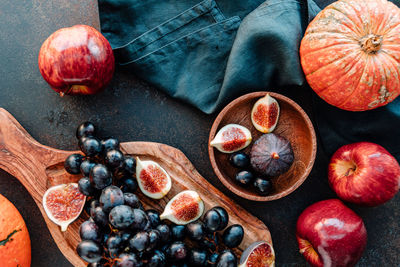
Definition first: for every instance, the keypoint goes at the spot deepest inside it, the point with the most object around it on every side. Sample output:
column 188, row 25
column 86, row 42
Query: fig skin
column 271, row 155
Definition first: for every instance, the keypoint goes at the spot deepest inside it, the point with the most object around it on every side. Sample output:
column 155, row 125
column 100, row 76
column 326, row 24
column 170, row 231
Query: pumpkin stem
column 371, row 43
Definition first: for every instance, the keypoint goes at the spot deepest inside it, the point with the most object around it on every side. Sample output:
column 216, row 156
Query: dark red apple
column 331, row 234
column 364, row 173
column 77, row 60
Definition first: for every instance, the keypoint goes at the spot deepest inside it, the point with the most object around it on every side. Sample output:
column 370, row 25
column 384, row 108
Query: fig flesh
column 63, row 204
column 231, row 138
column 265, row 114
column 258, row 254
column 184, row 208
column 152, row 179
column 271, row 155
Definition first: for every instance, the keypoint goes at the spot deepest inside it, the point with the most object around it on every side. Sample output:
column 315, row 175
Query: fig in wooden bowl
column 293, row 125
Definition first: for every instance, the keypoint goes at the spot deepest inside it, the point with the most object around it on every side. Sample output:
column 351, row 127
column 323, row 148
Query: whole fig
column 271, row 155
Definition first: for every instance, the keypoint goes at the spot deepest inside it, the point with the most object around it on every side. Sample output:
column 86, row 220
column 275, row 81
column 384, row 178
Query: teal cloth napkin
column 211, row 52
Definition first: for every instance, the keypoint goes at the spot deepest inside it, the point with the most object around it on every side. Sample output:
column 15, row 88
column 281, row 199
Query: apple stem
column 350, row 171
column 66, row 92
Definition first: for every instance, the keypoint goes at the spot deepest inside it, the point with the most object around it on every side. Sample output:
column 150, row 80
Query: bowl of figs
column 262, row 146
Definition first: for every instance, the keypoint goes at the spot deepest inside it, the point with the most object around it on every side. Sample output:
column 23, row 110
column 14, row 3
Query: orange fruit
column 15, row 244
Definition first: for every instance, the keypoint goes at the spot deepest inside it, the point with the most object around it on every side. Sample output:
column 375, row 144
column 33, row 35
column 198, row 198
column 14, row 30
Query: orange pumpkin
column 350, row 54
column 15, row 244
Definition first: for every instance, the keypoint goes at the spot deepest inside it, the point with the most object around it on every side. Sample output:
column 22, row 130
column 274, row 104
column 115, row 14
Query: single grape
column 132, row 200
column 89, row 251
column 158, row 259
column 125, row 236
column 81, row 140
column 114, row 245
column 233, row 236
column 121, row 217
column 109, row 143
column 178, row 232
column 212, row 220
column 165, row 232
column 263, row 186
column 244, row 178
column 86, row 166
column 100, row 176
column 85, row 129
column 195, row 231
column 212, row 260
column 99, row 216
column 140, row 241
column 177, row 251
column 91, row 147
column 227, row 259
column 129, row 185
column 73, row 163
column 90, row 231
column 130, row 165
column 110, row 197
column 197, row 257
column 224, row 217
column 240, row 160
column 140, row 220
column 114, row 158
column 154, row 217
column 128, row 260
column 86, row 187
column 154, row 239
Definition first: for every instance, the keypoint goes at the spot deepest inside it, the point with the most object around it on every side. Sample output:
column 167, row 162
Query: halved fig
column 231, row 138
column 153, row 180
column 63, row 204
column 258, row 254
column 185, row 207
column 265, row 114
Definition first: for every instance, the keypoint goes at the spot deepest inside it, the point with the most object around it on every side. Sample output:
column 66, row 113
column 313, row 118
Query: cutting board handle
column 25, row 158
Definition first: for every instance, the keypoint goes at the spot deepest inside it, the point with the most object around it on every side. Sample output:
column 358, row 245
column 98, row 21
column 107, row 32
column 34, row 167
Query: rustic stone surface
column 131, row 110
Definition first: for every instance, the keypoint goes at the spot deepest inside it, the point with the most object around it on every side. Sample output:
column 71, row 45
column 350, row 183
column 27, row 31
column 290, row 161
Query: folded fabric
column 198, row 52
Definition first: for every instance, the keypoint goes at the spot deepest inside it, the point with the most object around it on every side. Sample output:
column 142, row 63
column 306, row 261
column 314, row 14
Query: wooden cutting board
column 39, row 167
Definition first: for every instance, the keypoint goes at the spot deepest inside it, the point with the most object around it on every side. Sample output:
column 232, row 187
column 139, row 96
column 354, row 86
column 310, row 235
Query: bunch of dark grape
column 121, row 233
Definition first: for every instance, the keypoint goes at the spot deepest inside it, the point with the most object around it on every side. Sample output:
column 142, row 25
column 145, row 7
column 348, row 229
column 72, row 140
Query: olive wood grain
column 38, row 167
column 293, row 124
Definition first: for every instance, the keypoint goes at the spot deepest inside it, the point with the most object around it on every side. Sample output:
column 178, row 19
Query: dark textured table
column 132, row 110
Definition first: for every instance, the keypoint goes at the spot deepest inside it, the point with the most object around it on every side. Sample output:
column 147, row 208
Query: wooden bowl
column 293, row 124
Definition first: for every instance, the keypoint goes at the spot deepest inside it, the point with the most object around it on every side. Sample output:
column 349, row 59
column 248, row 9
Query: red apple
column 364, row 173
column 77, row 60
column 331, row 234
